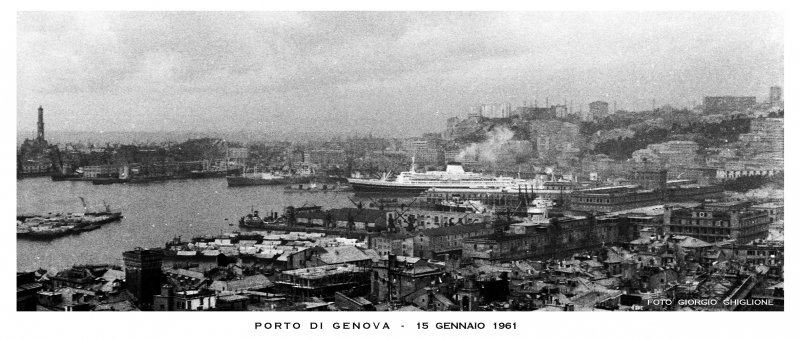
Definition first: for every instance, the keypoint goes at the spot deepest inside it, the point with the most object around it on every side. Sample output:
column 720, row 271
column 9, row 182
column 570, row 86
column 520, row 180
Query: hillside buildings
column 728, row 104
column 598, row 109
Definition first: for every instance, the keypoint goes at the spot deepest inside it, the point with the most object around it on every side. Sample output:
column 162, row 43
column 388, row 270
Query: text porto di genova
column 383, row 325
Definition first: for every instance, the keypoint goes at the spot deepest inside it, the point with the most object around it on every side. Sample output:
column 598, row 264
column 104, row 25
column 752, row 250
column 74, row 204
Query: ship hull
column 33, row 174
column 108, row 180
column 64, row 177
column 234, row 181
column 391, row 187
column 388, row 188
column 215, row 173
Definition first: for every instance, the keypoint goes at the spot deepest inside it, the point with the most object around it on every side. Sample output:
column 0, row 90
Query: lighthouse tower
column 40, row 125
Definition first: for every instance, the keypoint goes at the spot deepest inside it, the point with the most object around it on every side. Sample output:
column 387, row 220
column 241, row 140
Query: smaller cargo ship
column 253, row 220
column 198, row 174
column 268, row 178
column 316, row 187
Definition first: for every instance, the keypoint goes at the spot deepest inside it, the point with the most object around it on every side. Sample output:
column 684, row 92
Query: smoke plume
column 497, row 143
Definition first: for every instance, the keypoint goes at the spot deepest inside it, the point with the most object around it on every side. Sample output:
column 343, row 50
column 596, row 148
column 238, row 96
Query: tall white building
column 491, row 110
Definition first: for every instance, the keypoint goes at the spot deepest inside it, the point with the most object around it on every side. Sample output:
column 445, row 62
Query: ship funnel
column 455, row 168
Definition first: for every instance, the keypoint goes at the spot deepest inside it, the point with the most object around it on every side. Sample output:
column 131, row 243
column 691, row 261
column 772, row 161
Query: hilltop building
column 728, row 104
column 598, row 109
column 776, row 96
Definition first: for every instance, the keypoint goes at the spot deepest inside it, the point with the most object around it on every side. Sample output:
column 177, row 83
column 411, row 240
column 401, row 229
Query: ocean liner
column 414, row 182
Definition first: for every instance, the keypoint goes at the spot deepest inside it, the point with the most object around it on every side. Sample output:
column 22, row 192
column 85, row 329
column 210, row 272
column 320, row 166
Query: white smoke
column 487, row 152
column 766, row 192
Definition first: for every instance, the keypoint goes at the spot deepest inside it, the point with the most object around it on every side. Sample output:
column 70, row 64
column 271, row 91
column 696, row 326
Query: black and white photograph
column 290, row 162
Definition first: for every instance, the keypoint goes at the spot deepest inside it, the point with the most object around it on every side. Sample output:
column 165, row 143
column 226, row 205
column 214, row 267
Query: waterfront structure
column 40, row 126
column 717, row 222
column 617, row 198
column 100, row 171
column 621, row 198
column 502, row 198
column 34, row 156
column 727, row 104
column 345, row 218
column 143, row 275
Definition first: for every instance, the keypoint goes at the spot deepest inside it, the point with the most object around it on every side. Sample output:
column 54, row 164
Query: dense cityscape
column 533, row 206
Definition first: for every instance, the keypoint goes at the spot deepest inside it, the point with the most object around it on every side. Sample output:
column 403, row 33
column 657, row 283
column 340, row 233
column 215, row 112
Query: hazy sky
column 383, row 72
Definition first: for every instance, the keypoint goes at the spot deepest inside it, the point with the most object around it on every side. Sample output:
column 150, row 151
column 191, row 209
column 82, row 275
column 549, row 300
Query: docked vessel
column 51, row 226
column 109, row 180
column 195, row 174
column 266, row 178
column 454, row 177
column 253, row 220
column 316, row 187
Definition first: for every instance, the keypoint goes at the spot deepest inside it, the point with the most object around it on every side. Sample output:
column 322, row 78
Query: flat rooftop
column 323, row 271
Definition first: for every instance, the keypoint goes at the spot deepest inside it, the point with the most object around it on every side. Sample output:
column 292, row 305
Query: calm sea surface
column 153, row 213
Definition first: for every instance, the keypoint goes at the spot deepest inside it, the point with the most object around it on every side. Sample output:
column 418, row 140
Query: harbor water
column 153, row 213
